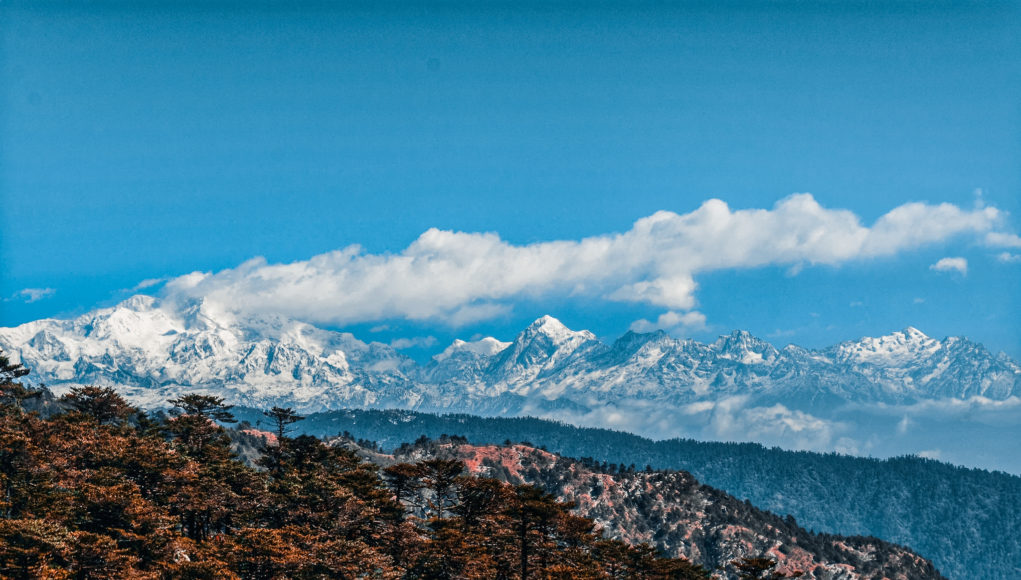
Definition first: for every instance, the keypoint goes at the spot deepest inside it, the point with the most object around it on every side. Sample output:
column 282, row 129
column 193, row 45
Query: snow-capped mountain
column 157, row 350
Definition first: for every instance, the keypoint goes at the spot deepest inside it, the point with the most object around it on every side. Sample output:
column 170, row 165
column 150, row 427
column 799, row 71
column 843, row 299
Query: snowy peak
column 480, row 348
column 139, row 303
column 160, row 349
column 741, row 346
column 554, row 330
column 157, row 348
column 545, row 345
column 912, row 333
column 897, row 349
column 547, row 337
column 632, row 341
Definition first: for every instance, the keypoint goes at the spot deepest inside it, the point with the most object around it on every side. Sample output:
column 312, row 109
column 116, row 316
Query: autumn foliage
column 104, row 491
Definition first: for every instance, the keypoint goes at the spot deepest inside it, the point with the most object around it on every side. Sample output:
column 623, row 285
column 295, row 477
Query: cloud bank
column 728, row 419
column 459, row 277
column 672, row 322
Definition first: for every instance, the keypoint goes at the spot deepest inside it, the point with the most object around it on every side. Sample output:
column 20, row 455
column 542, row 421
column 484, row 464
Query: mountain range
column 738, row 387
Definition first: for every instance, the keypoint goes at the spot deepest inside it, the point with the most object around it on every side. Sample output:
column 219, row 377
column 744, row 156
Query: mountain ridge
column 966, row 520
column 903, row 393
column 676, row 513
column 143, row 343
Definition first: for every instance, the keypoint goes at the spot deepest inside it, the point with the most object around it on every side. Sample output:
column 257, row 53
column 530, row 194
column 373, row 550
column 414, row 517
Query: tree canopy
column 103, row 492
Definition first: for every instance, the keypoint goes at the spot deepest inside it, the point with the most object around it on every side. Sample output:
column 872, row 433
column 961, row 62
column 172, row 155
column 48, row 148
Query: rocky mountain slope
column 966, row 521
column 674, row 512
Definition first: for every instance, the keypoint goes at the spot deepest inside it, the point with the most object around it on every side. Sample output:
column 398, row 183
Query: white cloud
column 959, row 265
column 148, row 283
column 30, row 295
column 1008, row 258
column 728, row 419
column 731, row 419
column 415, row 342
column 1003, row 240
column 673, row 322
column 459, row 277
column 971, row 407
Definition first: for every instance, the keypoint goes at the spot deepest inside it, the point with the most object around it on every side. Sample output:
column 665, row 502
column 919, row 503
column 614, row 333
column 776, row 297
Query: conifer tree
column 13, row 393
column 194, row 425
column 10, row 372
column 281, row 417
column 206, row 406
column 103, row 404
column 439, row 477
column 405, row 480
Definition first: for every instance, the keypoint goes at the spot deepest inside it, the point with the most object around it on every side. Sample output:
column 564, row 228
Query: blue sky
column 145, row 142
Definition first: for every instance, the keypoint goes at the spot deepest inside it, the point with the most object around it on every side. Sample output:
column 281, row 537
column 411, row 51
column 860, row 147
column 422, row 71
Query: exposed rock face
column 675, row 513
column 672, row 511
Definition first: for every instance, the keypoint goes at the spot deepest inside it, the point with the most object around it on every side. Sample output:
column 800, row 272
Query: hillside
column 101, row 491
column 685, row 519
column 967, row 521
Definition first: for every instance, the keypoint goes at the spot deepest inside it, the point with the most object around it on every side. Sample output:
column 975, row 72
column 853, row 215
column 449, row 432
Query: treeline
column 967, row 521
column 105, row 491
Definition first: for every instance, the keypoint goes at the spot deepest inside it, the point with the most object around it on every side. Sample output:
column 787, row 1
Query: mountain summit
column 540, row 350
column 158, row 350
column 737, row 387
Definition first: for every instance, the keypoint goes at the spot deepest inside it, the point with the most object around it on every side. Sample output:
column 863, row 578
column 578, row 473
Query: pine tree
column 194, row 425
column 439, row 477
column 103, row 404
column 405, row 480
column 10, row 372
column 13, row 393
column 282, row 417
column 206, row 406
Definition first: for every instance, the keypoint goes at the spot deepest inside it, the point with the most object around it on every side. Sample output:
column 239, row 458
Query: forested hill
column 967, row 521
column 101, row 491
column 685, row 519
